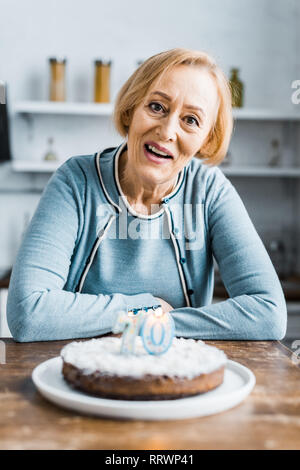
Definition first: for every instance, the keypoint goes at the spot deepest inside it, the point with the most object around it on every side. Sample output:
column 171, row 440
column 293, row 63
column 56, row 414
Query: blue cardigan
column 206, row 219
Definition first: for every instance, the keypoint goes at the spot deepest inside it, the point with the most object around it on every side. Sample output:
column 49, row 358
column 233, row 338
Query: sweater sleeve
column 256, row 309
column 38, row 307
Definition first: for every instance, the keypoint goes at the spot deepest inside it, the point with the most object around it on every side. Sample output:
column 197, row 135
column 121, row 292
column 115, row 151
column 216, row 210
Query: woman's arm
column 256, row 309
column 38, row 307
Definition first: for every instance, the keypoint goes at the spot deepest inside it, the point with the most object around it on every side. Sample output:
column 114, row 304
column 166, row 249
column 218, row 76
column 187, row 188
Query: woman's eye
column 192, row 121
column 156, row 107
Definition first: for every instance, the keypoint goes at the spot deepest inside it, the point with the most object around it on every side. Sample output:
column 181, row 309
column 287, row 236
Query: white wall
column 259, row 36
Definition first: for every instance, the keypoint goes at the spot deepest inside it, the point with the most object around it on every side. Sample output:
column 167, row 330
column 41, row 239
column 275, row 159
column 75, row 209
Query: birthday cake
column 97, row 367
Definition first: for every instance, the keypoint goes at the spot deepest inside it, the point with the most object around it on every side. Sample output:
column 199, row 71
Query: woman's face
column 175, row 117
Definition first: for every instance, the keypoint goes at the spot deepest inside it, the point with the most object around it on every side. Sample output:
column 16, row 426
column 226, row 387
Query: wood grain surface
column 268, row 419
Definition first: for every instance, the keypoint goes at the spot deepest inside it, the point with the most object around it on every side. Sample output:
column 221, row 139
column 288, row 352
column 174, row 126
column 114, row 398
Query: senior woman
column 140, row 224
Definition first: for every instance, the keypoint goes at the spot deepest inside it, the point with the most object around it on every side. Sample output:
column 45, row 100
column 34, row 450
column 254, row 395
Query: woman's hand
column 165, row 306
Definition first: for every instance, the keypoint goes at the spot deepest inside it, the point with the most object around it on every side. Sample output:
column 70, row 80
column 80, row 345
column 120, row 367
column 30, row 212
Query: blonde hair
column 136, row 87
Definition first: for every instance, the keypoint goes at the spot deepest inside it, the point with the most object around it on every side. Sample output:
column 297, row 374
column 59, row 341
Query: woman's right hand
column 165, row 306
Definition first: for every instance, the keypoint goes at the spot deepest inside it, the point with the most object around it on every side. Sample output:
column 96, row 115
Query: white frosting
column 186, row 358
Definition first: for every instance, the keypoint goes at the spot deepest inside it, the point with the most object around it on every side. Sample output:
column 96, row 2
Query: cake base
column 148, row 387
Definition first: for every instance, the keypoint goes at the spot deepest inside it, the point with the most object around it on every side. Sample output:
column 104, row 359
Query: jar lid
column 102, row 62
column 57, row 60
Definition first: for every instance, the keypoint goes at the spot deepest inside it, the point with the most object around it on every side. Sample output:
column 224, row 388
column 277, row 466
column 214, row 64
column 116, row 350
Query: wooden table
column 268, row 419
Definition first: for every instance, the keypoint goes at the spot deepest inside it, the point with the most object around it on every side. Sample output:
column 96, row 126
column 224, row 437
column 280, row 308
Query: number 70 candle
column 155, row 326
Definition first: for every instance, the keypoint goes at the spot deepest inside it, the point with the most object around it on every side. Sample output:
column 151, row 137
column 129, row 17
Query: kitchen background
column 260, row 37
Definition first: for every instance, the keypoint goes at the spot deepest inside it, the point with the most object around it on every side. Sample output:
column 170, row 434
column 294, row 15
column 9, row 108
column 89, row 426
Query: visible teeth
column 154, row 149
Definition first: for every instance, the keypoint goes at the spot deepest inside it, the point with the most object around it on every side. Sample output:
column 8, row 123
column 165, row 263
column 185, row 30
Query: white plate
column 238, row 383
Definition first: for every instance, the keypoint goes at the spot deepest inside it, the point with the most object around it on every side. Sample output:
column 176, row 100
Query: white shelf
column 32, row 166
column 51, row 107
column 48, row 167
column 106, row 109
column 257, row 114
column 286, row 172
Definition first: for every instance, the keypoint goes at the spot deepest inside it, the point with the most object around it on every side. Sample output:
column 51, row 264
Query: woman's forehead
column 192, row 83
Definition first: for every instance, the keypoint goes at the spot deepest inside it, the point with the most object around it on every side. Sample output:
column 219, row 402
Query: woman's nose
column 168, row 128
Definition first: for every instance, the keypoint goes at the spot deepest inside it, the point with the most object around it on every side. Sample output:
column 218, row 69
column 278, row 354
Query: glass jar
column 237, row 89
column 275, row 156
column 50, row 155
column 102, row 81
column 57, row 79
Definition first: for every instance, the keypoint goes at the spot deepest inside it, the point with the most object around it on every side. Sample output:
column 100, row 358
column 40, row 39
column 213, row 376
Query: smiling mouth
column 157, row 152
